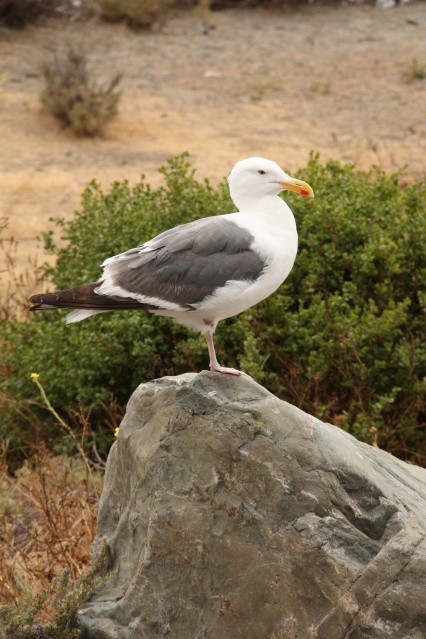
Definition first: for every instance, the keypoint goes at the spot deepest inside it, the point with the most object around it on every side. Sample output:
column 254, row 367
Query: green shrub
column 74, row 97
column 342, row 338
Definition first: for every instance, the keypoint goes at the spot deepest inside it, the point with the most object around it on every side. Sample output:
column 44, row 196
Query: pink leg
column 214, row 364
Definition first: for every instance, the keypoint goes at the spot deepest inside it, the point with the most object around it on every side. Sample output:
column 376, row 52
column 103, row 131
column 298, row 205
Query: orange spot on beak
column 303, row 192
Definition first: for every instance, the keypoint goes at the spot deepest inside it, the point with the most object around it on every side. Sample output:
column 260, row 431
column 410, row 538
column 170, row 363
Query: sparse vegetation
column 415, row 71
column 48, row 509
column 322, row 88
column 58, row 603
column 259, row 89
column 74, row 97
column 136, row 13
column 17, row 13
column 15, row 286
column 342, row 338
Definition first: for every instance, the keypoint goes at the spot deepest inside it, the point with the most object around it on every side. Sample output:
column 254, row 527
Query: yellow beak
column 298, row 186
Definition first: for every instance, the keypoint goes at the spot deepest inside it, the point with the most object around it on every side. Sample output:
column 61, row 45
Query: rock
column 232, row 514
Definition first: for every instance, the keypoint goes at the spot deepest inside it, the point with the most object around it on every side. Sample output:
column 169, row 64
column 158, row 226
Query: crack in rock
column 230, row 514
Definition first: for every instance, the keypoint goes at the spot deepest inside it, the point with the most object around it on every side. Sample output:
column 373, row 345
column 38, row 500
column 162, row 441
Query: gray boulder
column 232, row 514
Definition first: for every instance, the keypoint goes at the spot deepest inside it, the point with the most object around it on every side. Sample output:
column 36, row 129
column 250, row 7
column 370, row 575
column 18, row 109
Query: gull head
column 256, row 178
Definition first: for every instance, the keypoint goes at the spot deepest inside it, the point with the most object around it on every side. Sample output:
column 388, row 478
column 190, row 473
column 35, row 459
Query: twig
column 65, row 426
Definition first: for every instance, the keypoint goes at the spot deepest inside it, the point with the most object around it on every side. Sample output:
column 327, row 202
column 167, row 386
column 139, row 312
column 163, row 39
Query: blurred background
column 223, row 82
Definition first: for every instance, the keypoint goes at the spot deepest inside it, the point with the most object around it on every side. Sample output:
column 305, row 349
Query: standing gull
column 202, row 272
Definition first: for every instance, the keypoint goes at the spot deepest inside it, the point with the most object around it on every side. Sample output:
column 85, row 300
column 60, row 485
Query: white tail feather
column 81, row 314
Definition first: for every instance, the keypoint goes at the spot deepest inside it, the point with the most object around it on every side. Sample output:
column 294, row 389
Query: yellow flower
column 35, row 376
column 117, row 430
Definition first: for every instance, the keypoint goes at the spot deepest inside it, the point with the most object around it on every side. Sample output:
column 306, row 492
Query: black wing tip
column 37, row 301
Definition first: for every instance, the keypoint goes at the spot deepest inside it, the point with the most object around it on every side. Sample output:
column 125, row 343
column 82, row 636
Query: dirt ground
column 275, row 83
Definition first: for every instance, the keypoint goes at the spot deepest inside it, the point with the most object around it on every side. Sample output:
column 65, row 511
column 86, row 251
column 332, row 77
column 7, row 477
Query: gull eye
column 261, row 172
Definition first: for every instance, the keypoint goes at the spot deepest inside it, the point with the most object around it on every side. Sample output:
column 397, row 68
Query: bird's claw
column 227, row 371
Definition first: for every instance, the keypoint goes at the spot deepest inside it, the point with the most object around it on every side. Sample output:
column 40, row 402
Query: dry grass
column 48, row 515
column 15, row 285
column 415, row 71
column 48, row 511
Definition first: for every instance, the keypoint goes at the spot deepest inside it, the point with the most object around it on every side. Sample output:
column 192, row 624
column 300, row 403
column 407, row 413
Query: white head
column 256, row 178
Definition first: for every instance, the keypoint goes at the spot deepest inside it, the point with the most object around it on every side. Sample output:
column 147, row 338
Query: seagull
column 204, row 271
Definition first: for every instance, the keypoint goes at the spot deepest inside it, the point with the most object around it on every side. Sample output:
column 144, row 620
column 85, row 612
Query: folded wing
column 180, row 268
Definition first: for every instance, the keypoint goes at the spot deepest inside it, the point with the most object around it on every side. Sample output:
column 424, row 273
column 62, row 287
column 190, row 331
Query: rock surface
column 231, row 514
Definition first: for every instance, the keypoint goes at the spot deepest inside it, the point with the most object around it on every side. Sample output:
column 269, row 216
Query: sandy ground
column 275, row 83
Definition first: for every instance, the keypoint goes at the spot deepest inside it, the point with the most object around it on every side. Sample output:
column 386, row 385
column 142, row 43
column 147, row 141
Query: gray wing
column 184, row 265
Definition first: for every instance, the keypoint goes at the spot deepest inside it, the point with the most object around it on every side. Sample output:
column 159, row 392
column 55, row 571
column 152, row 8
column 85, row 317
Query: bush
column 58, row 602
column 342, row 338
column 137, row 13
column 17, row 13
column 76, row 99
column 48, row 511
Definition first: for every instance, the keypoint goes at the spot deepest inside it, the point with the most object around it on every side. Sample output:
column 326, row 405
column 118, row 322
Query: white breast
column 276, row 242
column 274, row 232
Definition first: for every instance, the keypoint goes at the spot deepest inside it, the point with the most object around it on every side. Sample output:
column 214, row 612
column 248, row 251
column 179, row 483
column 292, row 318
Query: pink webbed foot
column 214, row 364
column 227, row 371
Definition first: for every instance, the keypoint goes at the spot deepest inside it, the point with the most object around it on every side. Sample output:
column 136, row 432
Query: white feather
column 109, row 289
column 81, row 314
